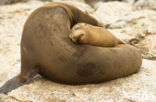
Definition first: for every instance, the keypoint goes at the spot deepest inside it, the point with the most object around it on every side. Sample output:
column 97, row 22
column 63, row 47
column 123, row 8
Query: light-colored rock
column 148, row 46
column 139, row 25
column 151, row 4
column 6, row 98
column 112, row 12
column 2, row 2
column 126, row 22
column 79, row 4
column 94, row 2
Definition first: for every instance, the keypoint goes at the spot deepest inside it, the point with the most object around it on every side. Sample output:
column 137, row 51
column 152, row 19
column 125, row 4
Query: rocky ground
column 132, row 24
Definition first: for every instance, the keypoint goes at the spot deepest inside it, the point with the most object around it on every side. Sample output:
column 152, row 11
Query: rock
column 148, row 46
column 141, row 29
column 125, row 21
column 94, row 2
column 2, row 2
column 151, row 4
column 111, row 12
column 79, row 4
column 6, row 98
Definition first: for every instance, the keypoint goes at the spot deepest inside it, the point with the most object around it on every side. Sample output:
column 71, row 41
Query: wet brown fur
column 47, row 49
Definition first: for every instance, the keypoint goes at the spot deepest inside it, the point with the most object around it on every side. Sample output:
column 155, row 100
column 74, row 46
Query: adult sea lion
column 47, row 49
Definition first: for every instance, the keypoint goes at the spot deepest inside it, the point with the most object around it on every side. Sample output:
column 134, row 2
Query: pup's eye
column 78, row 40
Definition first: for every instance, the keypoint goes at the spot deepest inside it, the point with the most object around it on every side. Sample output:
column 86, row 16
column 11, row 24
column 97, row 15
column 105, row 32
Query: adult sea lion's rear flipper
column 14, row 83
column 11, row 84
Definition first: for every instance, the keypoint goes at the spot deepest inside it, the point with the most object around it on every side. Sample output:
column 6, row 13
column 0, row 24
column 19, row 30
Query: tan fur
column 93, row 35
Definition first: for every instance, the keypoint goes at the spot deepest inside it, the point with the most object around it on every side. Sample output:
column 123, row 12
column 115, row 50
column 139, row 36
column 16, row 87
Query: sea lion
column 47, row 49
column 93, row 35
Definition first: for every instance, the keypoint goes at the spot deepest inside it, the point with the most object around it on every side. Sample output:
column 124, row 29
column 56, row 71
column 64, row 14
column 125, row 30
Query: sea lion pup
column 93, row 35
column 47, row 49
